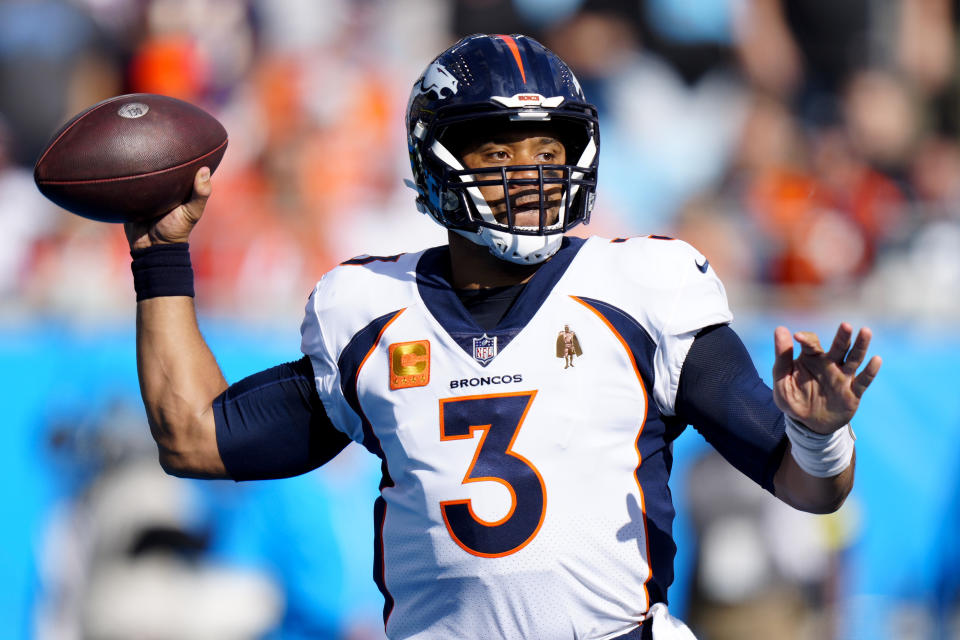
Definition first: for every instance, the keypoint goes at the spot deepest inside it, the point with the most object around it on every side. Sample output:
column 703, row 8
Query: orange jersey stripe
column 636, row 444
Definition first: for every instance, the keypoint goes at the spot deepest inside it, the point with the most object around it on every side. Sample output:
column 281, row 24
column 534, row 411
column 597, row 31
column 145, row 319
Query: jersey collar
column 437, row 293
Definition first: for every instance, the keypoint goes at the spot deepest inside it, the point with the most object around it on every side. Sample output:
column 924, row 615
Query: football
column 130, row 158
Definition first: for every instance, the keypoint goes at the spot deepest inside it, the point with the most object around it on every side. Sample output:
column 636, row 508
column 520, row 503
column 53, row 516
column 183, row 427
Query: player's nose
column 530, row 172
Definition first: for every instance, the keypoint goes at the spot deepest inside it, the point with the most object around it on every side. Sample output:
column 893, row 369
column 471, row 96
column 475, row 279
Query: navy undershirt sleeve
column 722, row 396
column 273, row 425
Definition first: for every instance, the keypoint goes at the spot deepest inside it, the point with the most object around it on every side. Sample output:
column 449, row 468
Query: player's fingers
column 133, row 230
column 138, row 233
column 202, row 185
column 858, row 352
column 809, row 343
column 841, row 342
column 783, row 353
column 202, row 188
column 863, row 380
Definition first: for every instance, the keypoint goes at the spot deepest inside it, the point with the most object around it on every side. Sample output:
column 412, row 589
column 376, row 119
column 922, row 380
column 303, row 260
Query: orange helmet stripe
column 512, row 45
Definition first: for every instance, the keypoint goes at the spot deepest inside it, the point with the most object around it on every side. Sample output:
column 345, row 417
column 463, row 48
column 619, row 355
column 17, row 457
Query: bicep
column 273, row 425
column 722, row 396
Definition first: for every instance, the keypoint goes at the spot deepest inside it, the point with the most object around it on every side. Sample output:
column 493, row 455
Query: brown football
column 132, row 157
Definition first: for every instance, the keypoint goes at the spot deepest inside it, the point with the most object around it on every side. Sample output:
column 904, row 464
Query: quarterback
column 520, row 499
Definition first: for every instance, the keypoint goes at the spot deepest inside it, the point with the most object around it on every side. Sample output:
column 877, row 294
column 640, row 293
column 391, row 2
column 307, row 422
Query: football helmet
column 489, row 79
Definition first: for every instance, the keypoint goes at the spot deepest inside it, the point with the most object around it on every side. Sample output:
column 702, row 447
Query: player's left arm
column 721, row 394
column 820, row 390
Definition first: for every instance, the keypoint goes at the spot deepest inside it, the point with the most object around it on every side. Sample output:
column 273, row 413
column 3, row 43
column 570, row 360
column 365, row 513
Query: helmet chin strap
column 514, row 248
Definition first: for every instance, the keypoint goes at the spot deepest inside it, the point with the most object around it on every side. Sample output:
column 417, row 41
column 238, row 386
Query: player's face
column 528, row 146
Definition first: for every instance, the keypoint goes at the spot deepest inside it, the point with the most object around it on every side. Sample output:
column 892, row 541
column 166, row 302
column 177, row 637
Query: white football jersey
column 525, row 470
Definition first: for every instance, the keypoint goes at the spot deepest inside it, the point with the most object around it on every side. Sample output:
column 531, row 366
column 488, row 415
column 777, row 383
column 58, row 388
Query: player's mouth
column 525, row 206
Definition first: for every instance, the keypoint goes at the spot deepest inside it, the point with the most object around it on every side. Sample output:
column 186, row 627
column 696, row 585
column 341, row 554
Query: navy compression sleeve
column 722, row 396
column 273, row 425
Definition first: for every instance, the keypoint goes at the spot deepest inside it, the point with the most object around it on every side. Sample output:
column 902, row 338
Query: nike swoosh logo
column 702, row 267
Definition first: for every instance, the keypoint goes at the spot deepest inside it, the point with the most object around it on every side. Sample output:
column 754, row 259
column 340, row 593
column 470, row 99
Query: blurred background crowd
column 810, row 148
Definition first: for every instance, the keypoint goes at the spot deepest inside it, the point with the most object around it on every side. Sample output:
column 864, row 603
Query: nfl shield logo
column 484, row 349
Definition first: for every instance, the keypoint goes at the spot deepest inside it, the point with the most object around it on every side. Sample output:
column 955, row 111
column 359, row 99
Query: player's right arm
column 179, row 376
column 271, row 424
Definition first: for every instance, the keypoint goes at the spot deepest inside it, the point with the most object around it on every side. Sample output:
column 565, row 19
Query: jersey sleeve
column 318, row 347
column 691, row 297
column 722, row 396
column 272, row 425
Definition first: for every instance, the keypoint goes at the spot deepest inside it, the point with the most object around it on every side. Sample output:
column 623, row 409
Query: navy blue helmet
column 493, row 80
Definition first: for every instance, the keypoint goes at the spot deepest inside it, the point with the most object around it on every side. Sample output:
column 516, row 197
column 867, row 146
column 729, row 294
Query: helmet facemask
column 561, row 194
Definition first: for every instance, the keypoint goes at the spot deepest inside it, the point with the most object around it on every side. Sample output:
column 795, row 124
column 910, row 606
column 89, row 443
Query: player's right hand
column 176, row 225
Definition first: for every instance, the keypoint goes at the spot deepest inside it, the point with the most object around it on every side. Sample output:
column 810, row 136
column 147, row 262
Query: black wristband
column 162, row 270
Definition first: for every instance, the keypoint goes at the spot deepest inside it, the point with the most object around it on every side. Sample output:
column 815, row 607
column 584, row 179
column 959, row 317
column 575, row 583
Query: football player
column 519, row 499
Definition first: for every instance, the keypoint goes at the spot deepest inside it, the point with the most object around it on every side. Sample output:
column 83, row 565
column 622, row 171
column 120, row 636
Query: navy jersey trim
column 365, row 260
column 653, row 445
column 350, row 362
column 379, row 564
column 641, row 345
column 659, row 513
column 437, row 293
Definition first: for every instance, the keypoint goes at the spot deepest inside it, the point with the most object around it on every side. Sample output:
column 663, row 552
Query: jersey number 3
column 498, row 418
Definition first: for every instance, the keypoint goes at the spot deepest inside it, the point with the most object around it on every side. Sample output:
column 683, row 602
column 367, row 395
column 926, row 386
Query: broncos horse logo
column 436, row 78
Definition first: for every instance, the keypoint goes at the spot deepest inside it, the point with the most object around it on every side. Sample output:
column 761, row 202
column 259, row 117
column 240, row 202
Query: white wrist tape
column 820, row 455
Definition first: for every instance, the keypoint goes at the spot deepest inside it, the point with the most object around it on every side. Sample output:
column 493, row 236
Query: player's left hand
column 822, row 389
